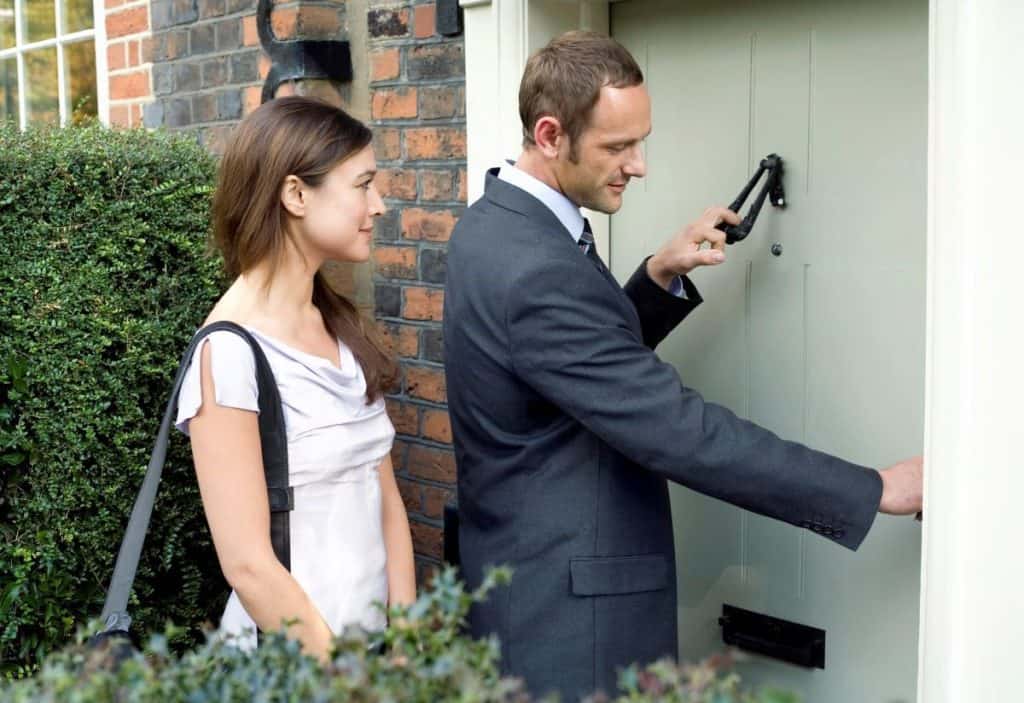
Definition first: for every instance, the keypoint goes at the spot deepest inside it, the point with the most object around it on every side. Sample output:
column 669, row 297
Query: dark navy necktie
column 586, row 241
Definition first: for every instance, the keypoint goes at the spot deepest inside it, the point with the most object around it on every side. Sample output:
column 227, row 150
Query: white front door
column 824, row 343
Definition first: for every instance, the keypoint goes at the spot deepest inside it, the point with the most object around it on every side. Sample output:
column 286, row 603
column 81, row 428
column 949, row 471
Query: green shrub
column 104, row 278
column 424, row 660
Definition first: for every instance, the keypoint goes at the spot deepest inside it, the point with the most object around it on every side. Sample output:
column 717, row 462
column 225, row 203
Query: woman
column 295, row 189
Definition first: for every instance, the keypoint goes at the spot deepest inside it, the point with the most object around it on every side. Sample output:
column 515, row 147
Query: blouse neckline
column 343, row 354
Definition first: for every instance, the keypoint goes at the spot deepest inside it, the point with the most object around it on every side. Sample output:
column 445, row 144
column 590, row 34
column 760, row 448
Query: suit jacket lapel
column 508, row 196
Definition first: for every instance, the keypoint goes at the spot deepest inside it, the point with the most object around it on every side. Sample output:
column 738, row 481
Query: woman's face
column 337, row 221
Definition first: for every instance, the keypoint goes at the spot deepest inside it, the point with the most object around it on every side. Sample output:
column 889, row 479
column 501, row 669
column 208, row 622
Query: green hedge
column 424, row 660
column 105, row 275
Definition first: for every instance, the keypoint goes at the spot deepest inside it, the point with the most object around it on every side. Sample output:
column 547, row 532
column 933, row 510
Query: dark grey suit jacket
column 567, row 425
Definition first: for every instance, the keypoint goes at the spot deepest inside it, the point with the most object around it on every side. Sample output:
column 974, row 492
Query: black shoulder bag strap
column 274, row 444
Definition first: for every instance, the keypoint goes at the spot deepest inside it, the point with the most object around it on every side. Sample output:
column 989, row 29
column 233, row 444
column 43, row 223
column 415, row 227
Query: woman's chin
column 352, row 255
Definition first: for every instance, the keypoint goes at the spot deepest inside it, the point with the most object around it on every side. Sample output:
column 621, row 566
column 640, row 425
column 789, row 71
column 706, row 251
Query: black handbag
column 273, row 441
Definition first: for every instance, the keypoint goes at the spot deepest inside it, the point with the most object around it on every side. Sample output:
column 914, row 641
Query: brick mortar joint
column 418, row 324
column 146, row 34
column 424, row 520
column 416, row 283
column 424, row 163
column 204, row 22
column 220, row 88
column 128, row 70
column 203, row 125
column 454, row 81
column 429, row 482
column 417, row 122
column 417, row 440
column 300, row 4
column 130, row 5
column 439, row 123
column 409, row 203
column 388, row 41
column 425, row 364
column 398, row 204
column 199, row 58
column 419, row 402
column 382, row 318
column 416, row 402
column 241, row 14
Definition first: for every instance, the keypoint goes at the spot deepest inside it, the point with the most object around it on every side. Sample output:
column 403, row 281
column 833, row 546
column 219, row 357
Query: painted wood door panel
column 823, row 344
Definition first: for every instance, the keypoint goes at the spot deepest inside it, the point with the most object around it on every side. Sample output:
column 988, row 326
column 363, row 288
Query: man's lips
column 617, row 187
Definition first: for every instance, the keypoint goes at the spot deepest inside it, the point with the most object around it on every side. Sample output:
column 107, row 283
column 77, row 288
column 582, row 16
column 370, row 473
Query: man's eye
column 617, row 148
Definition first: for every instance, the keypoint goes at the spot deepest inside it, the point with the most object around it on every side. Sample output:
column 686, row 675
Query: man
column 567, row 426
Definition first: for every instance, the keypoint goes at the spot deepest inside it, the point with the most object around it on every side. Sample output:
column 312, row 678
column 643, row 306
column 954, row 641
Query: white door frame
column 972, row 558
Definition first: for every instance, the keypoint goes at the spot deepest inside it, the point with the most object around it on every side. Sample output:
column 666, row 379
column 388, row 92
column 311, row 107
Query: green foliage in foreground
column 425, row 658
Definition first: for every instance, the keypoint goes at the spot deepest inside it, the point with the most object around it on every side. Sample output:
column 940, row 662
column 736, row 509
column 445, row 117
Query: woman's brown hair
column 292, row 136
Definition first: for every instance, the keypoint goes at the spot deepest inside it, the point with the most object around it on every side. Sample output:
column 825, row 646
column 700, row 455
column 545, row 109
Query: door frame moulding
column 974, row 375
column 499, row 35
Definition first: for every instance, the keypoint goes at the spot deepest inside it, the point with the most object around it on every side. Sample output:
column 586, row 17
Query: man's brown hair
column 564, row 80
column 304, row 138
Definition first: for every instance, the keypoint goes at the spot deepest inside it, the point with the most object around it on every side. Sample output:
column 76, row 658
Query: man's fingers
column 706, row 257
column 714, row 215
column 716, row 237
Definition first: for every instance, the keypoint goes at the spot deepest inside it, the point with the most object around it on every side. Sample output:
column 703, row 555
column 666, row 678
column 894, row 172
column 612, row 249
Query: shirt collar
column 563, row 208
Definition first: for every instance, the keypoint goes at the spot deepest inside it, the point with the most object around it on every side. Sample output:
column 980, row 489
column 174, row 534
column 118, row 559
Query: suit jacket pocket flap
column 608, row 576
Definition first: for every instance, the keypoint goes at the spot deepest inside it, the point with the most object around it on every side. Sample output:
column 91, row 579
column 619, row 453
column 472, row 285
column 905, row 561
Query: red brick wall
column 207, row 67
column 418, row 113
column 129, row 57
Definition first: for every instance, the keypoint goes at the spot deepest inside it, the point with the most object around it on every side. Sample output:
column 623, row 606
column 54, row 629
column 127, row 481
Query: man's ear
column 548, row 136
column 293, row 196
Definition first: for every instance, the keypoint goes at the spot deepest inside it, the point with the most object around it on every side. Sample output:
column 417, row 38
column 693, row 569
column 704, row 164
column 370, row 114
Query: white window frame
column 98, row 35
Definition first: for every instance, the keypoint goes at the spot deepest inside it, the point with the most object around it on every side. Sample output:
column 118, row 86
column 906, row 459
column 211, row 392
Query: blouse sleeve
column 233, row 369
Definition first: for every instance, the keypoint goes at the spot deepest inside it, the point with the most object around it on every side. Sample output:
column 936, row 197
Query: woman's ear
column 293, row 196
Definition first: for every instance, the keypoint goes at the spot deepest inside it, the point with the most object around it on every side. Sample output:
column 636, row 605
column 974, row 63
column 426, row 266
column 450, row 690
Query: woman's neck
column 279, row 302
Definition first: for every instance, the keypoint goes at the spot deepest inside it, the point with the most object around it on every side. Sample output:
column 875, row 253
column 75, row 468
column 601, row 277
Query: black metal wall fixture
column 786, row 641
column 448, row 20
column 772, row 165
column 302, row 58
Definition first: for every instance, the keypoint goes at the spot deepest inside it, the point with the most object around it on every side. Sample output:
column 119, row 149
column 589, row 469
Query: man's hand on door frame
column 903, row 487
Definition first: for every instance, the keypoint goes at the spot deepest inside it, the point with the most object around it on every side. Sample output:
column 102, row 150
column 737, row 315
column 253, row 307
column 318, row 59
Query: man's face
column 609, row 151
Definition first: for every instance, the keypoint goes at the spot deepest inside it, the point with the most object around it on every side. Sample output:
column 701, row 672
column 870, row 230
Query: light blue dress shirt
column 563, row 208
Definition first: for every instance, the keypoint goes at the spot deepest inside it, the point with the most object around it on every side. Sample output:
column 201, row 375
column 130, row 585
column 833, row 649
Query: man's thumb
column 711, row 257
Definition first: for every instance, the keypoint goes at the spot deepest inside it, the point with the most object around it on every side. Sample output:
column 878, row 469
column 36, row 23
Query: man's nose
column 635, row 166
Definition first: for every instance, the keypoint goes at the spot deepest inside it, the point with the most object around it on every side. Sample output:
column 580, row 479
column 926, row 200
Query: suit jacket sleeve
column 571, row 342
column 659, row 311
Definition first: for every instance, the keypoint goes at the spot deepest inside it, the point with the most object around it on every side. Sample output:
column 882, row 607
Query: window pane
column 80, row 70
column 9, row 89
column 6, row 24
column 41, row 76
column 77, row 15
column 39, row 20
